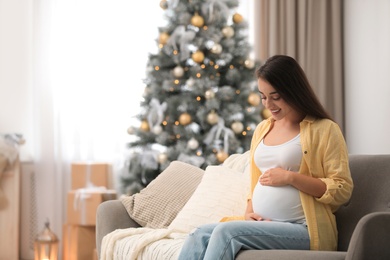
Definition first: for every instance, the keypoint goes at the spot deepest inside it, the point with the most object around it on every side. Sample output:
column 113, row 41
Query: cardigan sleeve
column 337, row 178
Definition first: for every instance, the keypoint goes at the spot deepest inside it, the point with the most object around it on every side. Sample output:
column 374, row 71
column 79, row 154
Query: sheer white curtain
column 89, row 64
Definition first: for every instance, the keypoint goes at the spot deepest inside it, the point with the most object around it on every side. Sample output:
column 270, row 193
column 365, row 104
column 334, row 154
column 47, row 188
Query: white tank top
column 278, row 203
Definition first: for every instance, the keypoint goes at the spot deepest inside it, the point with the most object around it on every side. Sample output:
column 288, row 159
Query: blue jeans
column 224, row 240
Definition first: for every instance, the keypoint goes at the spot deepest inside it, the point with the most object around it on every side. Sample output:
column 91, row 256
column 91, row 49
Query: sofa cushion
column 222, row 192
column 157, row 205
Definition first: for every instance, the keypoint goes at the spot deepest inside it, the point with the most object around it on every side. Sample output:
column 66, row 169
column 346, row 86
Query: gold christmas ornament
column 222, row 156
column 209, row 94
column 254, row 99
column 237, row 127
column 237, row 18
column 197, row 20
column 163, row 38
column 198, row 56
column 185, row 119
column 228, row 31
column 265, row 113
column 212, row 118
column 164, row 4
column 144, row 126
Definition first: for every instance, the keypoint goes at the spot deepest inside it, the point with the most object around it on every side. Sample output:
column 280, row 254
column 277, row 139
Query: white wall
column 367, row 75
column 16, row 71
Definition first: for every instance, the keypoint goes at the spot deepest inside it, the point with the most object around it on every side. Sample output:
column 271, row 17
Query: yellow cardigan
column 324, row 156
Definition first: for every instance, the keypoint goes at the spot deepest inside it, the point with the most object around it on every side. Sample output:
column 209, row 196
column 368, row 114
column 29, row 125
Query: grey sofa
column 363, row 223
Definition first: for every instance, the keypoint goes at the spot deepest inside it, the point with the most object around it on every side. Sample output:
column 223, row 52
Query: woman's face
column 274, row 102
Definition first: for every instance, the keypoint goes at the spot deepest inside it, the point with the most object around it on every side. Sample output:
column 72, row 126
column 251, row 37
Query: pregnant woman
column 299, row 174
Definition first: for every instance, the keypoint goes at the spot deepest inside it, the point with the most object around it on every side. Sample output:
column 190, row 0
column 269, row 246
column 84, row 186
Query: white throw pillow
column 222, row 192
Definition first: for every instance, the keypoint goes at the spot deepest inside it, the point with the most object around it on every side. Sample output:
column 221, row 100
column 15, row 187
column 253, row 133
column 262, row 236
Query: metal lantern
column 46, row 244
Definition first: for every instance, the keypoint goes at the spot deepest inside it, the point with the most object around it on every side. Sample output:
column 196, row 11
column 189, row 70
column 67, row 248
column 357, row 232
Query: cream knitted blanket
column 142, row 244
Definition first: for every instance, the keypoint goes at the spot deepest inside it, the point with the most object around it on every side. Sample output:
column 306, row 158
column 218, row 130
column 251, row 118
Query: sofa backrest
column 371, row 193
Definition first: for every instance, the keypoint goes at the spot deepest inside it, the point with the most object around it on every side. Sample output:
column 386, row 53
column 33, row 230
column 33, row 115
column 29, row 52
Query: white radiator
column 28, row 211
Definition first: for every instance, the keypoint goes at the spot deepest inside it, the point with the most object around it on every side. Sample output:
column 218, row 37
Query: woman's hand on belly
column 275, row 177
column 250, row 215
column 254, row 217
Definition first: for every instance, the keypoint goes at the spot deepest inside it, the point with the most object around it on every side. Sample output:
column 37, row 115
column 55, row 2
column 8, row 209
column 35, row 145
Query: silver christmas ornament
column 237, row 127
column 249, row 63
column 228, row 31
column 130, row 130
column 157, row 129
column 178, row 71
column 217, row 48
column 209, row 94
column 212, row 118
column 193, row 144
column 162, row 158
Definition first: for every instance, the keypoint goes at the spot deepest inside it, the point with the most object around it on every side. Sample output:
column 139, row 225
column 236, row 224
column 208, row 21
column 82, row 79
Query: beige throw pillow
column 157, row 205
column 222, row 192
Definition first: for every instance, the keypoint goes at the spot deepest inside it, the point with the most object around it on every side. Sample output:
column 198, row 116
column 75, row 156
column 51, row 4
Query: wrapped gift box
column 79, row 242
column 83, row 203
column 91, row 174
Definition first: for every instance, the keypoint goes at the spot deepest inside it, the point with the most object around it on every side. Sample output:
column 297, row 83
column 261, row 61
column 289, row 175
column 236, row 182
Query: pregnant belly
column 277, row 203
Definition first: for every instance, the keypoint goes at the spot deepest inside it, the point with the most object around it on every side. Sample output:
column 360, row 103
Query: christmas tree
column 201, row 102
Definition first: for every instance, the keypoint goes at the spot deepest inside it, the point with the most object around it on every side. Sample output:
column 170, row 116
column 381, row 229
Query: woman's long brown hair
column 290, row 81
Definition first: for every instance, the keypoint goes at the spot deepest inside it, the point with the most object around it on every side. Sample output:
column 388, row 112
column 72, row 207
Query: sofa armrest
column 371, row 238
column 111, row 215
